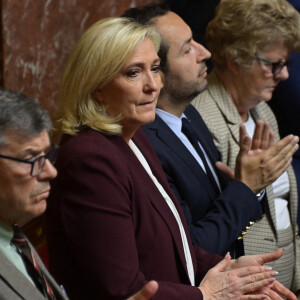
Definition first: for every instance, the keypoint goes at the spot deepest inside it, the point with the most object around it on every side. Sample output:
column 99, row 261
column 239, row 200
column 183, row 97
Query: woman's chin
column 149, row 119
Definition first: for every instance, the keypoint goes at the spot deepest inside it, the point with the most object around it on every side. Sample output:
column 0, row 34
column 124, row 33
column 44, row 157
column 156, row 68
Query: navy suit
column 215, row 219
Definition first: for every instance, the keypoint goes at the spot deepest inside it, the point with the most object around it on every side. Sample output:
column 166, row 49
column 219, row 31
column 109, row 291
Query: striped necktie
column 33, row 269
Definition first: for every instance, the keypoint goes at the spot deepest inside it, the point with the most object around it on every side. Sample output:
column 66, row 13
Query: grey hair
column 21, row 115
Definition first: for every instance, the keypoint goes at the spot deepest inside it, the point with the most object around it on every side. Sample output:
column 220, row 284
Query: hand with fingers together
column 275, row 289
column 263, row 138
column 260, row 162
column 240, row 283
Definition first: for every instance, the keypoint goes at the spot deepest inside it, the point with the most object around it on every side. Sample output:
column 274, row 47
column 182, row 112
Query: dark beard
column 179, row 94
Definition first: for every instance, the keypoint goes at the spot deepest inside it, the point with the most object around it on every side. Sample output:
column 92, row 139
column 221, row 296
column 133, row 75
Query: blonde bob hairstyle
column 96, row 59
column 243, row 28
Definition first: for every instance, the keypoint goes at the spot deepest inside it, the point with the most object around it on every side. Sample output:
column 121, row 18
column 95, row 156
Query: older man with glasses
column 25, row 174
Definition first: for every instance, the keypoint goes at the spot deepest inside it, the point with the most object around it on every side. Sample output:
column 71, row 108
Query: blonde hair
column 242, row 28
column 96, row 59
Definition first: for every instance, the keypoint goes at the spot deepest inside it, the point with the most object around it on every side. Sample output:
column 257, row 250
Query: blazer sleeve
column 226, row 218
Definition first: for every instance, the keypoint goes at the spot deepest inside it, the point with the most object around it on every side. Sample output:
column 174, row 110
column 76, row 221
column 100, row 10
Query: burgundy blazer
column 110, row 230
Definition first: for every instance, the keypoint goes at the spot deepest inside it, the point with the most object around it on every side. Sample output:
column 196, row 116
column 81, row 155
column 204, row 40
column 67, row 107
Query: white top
column 281, row 188
column 175, row 125
column 186, row 248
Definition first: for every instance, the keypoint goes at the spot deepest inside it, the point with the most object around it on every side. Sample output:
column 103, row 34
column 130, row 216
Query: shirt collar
column 173, row 122
column 6, row 234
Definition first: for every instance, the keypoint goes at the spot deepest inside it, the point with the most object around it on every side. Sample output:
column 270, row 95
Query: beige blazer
column 223, row 121
column 15, row 286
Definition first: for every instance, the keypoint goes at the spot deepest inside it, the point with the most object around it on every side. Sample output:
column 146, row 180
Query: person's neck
column 128, row 132
column 10, row 220
column 5, row 225
column 232, row 87
column 172, row 107
column 127, row 138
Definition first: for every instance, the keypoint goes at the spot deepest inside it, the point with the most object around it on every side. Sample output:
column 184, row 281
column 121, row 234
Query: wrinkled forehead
column 276, row 47
column 11, row 135
column 18, row 142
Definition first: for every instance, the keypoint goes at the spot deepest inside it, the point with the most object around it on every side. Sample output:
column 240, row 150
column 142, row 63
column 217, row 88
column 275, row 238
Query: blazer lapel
column 256, row 115
column 54, row 286
column 226, row 106
column 234, row 121
column 171, row 141
column 293, row 203
column 158, row 202
column 206, row 141
column 17, row 281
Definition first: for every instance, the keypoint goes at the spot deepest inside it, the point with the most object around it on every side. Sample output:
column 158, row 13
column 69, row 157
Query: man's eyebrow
column 34, row 151
column 184, row 43
column 31, row 152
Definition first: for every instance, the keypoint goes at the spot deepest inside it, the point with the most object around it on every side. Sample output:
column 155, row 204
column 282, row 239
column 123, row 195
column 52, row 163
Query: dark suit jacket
column 15, row 286
column 110, row 230
column 215, row 220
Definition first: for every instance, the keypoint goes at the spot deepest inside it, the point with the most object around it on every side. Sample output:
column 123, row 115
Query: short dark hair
column 22, row 115
column 145, row 15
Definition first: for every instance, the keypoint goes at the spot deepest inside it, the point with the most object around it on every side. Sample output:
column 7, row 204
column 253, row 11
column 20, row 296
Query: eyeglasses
column 276, row 66
column 38, row 163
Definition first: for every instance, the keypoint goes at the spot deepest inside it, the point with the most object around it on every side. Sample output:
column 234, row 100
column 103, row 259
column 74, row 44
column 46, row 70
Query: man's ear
column 231, row 65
